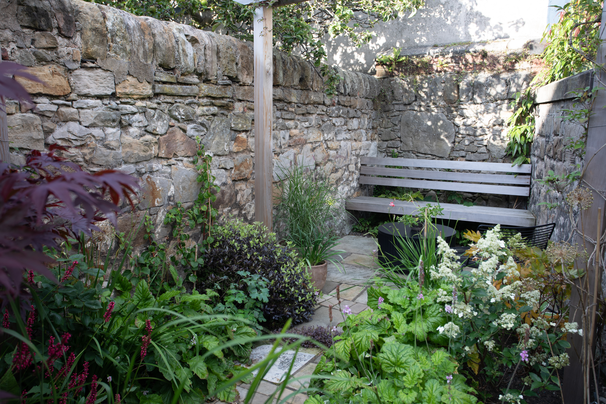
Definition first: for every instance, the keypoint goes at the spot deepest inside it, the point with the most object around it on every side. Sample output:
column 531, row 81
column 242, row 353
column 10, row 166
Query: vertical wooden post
column 4, row 150
column 263, row 80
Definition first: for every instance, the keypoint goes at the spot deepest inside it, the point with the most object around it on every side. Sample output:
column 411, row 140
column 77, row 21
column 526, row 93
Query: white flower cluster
column 506, row 321
column 572, row 328
column 490, row 344
column 448, row 266
column 560, row 361
column 491, row 245
column 449, row 329
column 510, row 398
column 532, row 298
column 464, row 310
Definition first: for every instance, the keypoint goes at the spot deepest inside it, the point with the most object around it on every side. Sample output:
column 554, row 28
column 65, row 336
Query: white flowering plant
column 500, row 321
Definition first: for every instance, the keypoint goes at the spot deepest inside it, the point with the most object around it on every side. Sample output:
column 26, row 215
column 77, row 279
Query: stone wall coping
column 564, row 89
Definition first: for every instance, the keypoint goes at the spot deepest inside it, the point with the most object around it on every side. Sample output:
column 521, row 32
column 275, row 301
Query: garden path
column 356, row 267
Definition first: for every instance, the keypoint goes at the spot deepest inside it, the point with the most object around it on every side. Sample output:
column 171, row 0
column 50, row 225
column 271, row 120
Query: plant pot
column 318, row 274
column 389, row 232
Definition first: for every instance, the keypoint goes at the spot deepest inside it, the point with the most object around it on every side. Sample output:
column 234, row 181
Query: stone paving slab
column 348, row 292
column 357, row 245
column 366, row 261
column 350, row 274
column 363, row 298
column 278, row 371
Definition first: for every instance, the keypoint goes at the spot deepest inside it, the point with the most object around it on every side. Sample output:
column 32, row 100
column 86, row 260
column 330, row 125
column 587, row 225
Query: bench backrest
column 445, row 175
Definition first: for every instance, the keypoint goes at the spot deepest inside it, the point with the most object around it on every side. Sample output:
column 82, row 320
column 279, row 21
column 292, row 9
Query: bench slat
column 479, row 214
column 447, row 176
column 446, row 186
column 447, row 164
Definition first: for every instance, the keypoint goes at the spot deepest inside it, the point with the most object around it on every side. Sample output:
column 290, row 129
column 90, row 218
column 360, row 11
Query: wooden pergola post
column 263, row 83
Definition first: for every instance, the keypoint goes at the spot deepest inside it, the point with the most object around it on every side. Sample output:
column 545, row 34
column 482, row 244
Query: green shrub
column 241, row 251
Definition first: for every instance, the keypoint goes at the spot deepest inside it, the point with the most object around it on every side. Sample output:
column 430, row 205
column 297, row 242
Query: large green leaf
column 396, row 357
column 432, row 392
column 198, row 366
column 343, row 349
column 364, row 336
column 210, row 342
column 143, row 297
column 344, row 382
column 387, row 391
column 414, row 376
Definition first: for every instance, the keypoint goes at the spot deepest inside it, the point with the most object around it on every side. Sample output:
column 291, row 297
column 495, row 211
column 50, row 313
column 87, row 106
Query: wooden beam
column 263, row 83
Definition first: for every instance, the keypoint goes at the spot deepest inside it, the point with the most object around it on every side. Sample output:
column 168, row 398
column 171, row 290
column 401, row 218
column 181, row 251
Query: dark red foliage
column 44, row 202
column 9, row 87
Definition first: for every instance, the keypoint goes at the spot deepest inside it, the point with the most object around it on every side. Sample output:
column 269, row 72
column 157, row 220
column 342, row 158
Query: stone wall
column 133, row 93
column 453, row 116
column 553, row 132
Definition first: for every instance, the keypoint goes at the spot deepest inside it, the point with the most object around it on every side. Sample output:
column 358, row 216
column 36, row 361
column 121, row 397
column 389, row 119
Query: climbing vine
column 572, row 44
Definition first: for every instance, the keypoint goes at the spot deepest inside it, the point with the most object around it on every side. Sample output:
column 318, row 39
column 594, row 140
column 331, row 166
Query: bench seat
column 446, row 175
column 478, row 214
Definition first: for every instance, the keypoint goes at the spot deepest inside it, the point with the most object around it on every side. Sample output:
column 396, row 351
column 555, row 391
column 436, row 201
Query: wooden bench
column 458, row 176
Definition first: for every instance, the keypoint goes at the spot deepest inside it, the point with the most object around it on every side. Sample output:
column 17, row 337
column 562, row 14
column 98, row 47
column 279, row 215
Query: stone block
column 44, row 40
column 133, row 88
column 165, row 77
column 240, row 143
column 246, row 93
column 182, row 113
column 81, row 104
column 105, row 119
column 106, row 158
column 210, row 90
column 35, row 14
column 54, row 81
column 74, row 134
column 241, row 122
column 25, row 131
column 176, row 144
column 219, row 136
column 64, row 14
column 427, row 133
column 177, row 90
column 185, row 183
column 154, row 191
column 93, row 82
column 158, row 121
column 243, row 166
column 137, row 150
column 94, row 31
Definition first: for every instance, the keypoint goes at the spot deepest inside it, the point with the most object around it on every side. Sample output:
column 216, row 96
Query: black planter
column 389, row 232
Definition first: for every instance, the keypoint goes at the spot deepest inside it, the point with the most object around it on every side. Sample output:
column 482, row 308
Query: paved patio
column 353, row 273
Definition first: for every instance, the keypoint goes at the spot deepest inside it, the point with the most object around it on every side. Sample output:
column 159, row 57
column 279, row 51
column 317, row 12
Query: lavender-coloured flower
column 346, row 310
column 448, row 379
column 448, row 308
column 420, row 296
column 381, row 300
column 524, row 355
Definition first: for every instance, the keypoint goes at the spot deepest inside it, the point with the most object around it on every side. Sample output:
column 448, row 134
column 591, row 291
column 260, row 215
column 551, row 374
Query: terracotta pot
column 318, row 274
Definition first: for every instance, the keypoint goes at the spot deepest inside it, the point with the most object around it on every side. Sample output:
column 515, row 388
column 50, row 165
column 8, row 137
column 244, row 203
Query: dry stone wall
column 551, row 151
column 133, row 93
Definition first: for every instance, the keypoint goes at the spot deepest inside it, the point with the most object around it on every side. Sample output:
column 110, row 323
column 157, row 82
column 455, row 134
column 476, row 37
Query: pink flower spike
column 108, row 313
column 69, row 271
column 30, row 277
column 5, row 321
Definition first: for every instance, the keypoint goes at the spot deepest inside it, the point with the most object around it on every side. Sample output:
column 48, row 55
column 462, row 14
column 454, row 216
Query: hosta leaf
column 396, row 357
column 407, row 396
column 344, row 381
column 228, row 395
column 210, row 342
column 413, row 376
column 432, row 392
column 387, row 391
column 143, row 297
column 198, row 367
column 343, row 349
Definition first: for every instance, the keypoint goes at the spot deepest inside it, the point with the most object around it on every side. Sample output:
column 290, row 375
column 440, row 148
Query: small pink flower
column 448, row 308
column 108, row 313
column 381, row 300
column 524, row 356
column 346, row 310
column 5, row 321
column 420, row 296
column 448, row 379
column 392, row 204
column 69, row 271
